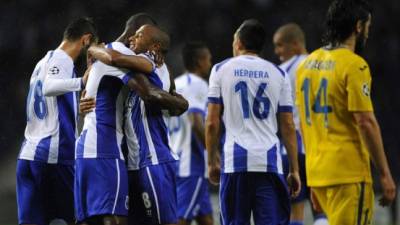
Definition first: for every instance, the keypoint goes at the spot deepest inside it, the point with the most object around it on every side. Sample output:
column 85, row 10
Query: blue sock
column 296, row 223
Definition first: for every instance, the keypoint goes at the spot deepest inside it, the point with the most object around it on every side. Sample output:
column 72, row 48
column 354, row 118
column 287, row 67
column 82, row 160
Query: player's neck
column 73, row 49
column 245, row 52
column 349, row 43
column 195, row 72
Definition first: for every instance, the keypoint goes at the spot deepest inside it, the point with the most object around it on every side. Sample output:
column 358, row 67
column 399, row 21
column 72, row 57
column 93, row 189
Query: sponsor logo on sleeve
column 54, row 70
column 365, row 89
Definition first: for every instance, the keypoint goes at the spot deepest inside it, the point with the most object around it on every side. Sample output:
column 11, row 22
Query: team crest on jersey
column 54, row 70
column 365, row 89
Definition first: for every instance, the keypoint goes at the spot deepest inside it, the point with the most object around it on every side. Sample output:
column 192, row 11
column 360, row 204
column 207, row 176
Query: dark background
column 29, row 28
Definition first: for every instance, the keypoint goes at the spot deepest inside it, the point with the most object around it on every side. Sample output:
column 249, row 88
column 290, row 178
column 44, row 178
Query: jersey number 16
column 261, row 103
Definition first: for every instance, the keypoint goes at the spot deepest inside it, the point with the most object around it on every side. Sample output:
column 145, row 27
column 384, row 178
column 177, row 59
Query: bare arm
column 371, row 135
column 198, row 129
column 212, row 137
column 114, row 58
column 288, row 132
column 150, row 94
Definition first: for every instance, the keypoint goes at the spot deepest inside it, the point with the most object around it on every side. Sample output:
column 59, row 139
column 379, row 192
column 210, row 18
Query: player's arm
column 288, row 132
column 114, row 58
column 213, row 125
column 371, row 135
column 212, row 137
column 358, row 84
column 150, row 94
column 59, row 81
column 197, row 99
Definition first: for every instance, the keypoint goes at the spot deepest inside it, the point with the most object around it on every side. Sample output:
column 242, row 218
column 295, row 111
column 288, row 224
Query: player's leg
column 158, row 193
column 30, row 180
column 192, row 200
column 205, row 212
column 235, row 198
column 101, row 191
column 272, row 204
column 61, row 193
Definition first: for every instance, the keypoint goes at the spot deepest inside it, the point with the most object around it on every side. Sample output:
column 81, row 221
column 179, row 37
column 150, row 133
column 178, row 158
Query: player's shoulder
column 59, row 56
column 191, row 81
column 120, row 47
column 217, row 67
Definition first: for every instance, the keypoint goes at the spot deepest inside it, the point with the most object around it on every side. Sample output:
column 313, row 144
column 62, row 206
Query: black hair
column 136, row 21
column 342, row 18
column 191, row 53
column 252, row 35
column 79, row 27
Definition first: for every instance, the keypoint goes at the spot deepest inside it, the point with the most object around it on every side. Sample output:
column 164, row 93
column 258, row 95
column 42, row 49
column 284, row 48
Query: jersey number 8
column 261, row 103
column 39, row 101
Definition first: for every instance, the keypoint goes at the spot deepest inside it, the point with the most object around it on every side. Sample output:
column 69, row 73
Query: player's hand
column 389, row 190
column 86, row 105
column 315, row 203
column 294, row 184
column 214, row 173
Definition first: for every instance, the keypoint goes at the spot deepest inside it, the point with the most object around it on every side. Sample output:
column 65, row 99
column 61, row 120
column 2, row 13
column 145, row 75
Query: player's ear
column 359, row 26
column 86, row 39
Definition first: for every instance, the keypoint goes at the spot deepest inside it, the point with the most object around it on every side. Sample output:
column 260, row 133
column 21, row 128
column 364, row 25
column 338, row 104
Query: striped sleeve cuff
column 127, row 77
column 196, row 110
column 215, row 100
column 285, row 108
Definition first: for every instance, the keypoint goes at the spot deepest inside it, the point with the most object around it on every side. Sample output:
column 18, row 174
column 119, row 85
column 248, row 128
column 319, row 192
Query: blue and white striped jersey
column 146, row 129
column 290, row 67
column 191, row 152
column 51, row 128
column 251, row 90
column 102, row 132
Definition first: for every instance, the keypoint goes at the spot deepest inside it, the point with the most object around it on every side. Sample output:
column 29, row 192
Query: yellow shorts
column 346, row 204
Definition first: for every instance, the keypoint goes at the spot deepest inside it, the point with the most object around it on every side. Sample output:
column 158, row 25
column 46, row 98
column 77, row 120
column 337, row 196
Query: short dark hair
column 79, row 27
column 342, row 17
column 137, row 20
column 252, row 35
column 191, row 52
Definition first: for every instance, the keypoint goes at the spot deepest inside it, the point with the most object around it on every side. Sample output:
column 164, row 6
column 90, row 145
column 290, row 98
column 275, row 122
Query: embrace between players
column 122, row 169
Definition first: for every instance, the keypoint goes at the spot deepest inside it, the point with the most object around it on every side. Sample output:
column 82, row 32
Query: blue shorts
column 44, row 192
column 101, row 188
column 262, row 194
column 305, row 191
column 155, row 186
column 193, row 197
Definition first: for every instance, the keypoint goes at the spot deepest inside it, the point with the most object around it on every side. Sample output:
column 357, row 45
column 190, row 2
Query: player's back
column 102, row 133
column 51, row 120
column 331, row 85
column 183, row 141
column 252, row 91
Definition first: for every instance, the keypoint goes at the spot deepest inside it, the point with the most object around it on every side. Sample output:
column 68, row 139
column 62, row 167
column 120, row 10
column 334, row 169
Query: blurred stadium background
column 28, row 29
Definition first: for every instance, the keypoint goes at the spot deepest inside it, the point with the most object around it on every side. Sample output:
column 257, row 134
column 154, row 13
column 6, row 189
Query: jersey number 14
column 320, row 99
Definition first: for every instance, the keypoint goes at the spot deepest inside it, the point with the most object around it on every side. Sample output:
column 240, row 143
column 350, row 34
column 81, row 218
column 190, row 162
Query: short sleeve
column 197, row 98
column 56, row 69
column 149, row 57
column 285, row 97
column 214, row 89
column 358, row 87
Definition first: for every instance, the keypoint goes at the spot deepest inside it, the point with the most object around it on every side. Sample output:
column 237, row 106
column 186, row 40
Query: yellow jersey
column 330, row 85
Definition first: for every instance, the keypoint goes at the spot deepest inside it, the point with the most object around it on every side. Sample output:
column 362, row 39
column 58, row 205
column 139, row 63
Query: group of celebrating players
column 140, row 157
